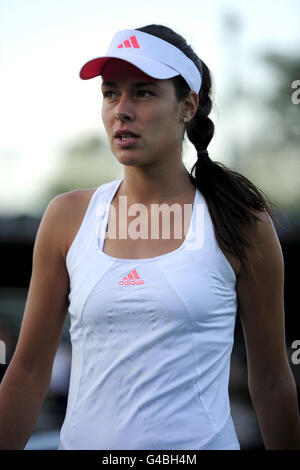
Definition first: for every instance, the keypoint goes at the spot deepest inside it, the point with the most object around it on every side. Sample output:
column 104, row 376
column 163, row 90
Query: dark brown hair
column 230, row 196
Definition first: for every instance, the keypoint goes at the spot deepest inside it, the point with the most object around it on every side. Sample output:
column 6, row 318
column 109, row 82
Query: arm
column 28, row 376
column 261, row 307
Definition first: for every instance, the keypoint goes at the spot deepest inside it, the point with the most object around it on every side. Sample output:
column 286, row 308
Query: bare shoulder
column 264, row 278
column 265, row 252
column 265, row 246
column 68, row 210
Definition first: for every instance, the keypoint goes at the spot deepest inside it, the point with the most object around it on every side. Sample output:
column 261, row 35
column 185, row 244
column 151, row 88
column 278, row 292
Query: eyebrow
column 136, row 85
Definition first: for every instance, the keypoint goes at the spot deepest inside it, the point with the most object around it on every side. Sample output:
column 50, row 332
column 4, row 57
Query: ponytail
column 230, row 199
column 230, row 196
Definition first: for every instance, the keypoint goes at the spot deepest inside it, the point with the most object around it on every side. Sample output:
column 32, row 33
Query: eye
column 108, row 94
column 145, row 93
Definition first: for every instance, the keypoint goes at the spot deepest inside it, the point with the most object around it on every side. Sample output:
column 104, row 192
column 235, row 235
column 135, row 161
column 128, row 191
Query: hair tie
column 202, row 152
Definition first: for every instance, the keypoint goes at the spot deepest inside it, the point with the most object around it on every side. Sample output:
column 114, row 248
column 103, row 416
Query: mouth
column 126, row 137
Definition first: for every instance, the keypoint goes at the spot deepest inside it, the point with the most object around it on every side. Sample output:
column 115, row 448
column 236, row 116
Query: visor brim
column 149, row 66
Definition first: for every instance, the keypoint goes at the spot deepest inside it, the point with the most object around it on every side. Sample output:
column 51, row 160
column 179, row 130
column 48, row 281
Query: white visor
column 154, row 56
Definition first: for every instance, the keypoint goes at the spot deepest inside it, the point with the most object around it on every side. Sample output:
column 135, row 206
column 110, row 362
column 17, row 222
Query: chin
column 129, row 160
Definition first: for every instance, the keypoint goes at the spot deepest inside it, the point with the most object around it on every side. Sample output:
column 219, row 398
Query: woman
column 152, row 319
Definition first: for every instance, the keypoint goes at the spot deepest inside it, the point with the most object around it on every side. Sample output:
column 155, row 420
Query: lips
column 125, row 133
column 125, row 137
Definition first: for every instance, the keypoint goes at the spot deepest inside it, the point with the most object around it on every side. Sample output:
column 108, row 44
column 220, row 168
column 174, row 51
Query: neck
column 146, row 187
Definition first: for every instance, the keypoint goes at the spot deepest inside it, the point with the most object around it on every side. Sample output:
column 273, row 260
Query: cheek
column 166, row 124
column 106, row 119
column 103, row 116
column 161, row 119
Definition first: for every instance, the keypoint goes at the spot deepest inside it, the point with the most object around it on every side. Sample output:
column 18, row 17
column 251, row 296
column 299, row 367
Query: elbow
column 283, row 384
column 19, row 372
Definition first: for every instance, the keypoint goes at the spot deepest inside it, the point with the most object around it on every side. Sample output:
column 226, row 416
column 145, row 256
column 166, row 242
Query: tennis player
column 153, row 316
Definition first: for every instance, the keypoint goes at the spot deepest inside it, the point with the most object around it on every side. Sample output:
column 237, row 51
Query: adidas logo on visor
column 131, row 42
column 131, row 279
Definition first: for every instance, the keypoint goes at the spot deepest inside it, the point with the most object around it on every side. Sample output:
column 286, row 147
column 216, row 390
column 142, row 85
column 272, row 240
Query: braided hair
column 230, row 196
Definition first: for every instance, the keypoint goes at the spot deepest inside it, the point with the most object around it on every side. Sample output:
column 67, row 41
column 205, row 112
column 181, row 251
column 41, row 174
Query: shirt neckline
column 100, row 241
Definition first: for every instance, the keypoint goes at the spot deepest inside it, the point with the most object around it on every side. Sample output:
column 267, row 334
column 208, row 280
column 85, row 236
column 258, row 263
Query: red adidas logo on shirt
column 131, row 42
column 131, row 279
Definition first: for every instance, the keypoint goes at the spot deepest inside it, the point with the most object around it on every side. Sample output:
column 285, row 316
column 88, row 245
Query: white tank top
column 151, row 340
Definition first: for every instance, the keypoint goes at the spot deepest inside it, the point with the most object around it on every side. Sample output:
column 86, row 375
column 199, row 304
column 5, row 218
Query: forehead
column 116, row 69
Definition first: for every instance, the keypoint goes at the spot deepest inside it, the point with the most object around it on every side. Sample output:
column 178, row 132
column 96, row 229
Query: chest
column 147, row 232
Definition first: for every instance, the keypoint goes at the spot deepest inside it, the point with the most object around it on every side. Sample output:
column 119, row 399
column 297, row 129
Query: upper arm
column 47, row 299
column 261, row 307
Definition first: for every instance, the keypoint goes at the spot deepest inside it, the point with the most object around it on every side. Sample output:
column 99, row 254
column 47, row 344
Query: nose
column 124, row 109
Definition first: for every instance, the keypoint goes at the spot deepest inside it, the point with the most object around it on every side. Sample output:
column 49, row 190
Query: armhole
column 223, row 258
column 227, row 263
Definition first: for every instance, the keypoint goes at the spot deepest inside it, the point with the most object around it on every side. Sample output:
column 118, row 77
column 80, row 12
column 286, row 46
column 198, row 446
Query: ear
column 190, row 105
